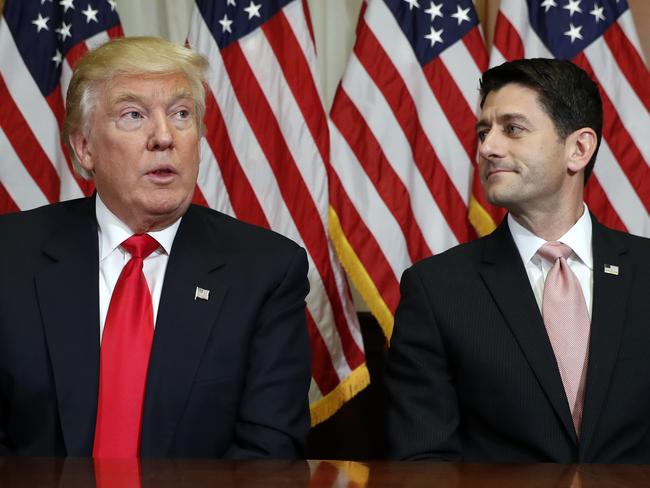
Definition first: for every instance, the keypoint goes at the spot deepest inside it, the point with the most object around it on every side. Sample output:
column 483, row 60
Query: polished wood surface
column 28, row 472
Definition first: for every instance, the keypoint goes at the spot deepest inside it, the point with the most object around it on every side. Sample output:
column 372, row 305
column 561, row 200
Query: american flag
column 264, row 160
column 599, row 36
column 40, row 42
column 404, row 143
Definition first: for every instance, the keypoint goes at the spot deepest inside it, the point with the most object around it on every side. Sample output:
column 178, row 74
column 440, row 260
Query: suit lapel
column 68, row 298
column 505, row 276
column 610, row 293
column 183, row 326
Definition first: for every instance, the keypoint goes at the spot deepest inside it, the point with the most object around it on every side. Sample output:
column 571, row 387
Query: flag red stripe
column 392, row 191
column 322, row 368
column 473, row 41
column 364, row 244
column 7, row 204
column 55, row 101
column 310, row 26
column 461, row 117
column 198, row 198
column 629, row 61
column 599, row 205
column 242, row 197
column 27, row 146
column 292, row 187
column 381, row 69
column 76, row 53
column 115, row 31
column 507, row 39
column 299, row 78
column 621, row 144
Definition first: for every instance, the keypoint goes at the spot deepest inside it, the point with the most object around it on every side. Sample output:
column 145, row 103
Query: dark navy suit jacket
column 472, row 375
column 228, row 376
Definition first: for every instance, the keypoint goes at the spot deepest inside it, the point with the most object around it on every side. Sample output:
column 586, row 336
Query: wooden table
column 42, row 472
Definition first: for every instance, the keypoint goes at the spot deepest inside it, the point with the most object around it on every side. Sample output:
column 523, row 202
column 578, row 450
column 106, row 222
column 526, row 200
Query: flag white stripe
column 463, row 69
column 297, row 21
column 627, row 24
column 298, row 24
column 17, row 181
column 620, row 193
column 432, row 118
column 30, row 101
column 382, row 123
column 517, row 15
column 631, row 110
column 211, row 182
column 303, row 150
column 371, row 208
column 254, row 164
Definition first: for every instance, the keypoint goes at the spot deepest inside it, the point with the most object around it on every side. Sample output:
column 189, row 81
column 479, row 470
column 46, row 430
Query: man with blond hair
column 133, row 323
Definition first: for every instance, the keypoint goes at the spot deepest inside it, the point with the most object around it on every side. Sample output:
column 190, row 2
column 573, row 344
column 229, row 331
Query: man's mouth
column 163, row 174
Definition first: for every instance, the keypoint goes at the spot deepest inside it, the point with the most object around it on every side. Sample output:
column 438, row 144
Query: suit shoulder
column 637, row 244
column 34, row 225
column 243, row 236
column 460, row 257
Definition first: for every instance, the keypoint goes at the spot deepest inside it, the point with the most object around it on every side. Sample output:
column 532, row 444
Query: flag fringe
column 345, row 390
column 482, row 221
column 356, row 473
column 359, row 276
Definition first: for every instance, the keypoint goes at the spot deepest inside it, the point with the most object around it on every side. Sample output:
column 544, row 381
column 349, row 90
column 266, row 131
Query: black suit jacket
column 472, row 375
column 228, row 376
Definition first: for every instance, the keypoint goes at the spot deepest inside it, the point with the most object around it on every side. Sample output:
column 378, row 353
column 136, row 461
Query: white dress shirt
column 112, row 258
column 581, row 260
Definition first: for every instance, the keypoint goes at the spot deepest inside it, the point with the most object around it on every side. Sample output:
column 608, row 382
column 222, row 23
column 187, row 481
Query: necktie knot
column 552, row 251
column 140, row 245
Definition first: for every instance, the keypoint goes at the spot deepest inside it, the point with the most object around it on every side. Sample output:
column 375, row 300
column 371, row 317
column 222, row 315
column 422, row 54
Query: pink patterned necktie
column 567, row 323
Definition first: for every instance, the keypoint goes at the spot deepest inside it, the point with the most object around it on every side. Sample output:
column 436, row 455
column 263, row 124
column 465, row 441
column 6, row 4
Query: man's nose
column 161, row 136
column 492, row 145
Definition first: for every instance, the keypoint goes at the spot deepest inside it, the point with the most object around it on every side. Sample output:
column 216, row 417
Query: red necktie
column 124, row 357
column 567, row 323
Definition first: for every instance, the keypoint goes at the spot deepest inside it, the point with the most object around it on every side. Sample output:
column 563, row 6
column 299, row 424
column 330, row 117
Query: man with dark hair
column 528, row 345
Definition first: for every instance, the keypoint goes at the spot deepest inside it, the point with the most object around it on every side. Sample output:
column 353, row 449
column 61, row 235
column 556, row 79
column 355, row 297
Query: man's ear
column 81, row 148
column 580, row 147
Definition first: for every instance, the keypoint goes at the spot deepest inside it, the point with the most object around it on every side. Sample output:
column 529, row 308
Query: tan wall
column 487, row 11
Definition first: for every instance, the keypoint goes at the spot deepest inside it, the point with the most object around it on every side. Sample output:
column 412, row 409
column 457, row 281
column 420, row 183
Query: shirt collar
column 113, row 232
column 578, row 238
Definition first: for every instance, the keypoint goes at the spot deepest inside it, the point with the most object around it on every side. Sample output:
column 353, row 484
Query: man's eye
column 513, row 130
column 134, row 115
column 481, row 135
column 183, row 114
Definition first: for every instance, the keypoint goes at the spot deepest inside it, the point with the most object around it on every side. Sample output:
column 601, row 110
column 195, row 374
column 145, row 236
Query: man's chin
column 499, row 199
column 168, row 209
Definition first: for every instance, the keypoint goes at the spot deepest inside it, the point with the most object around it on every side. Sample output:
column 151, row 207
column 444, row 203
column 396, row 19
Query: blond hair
column 130, row 56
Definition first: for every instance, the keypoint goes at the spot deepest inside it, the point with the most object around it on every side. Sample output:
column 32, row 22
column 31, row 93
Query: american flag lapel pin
column 611, row 269
column 201, row 293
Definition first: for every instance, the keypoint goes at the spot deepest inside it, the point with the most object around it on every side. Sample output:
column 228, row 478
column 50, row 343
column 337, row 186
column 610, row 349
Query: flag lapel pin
column 201, row 293
column 611, row 269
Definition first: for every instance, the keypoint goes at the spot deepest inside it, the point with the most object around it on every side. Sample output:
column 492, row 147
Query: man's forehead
column 512, row 98
column 149, row 86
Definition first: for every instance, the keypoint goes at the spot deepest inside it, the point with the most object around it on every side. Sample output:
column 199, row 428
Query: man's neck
column 550, row 226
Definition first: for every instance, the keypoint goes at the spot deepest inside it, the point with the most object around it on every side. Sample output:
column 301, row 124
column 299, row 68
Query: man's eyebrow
column 125, row 97
column 132, row 97
column 503, row 119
